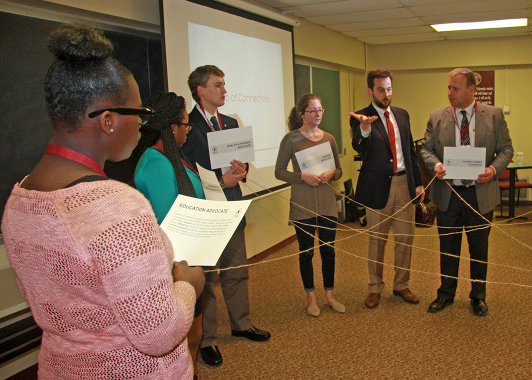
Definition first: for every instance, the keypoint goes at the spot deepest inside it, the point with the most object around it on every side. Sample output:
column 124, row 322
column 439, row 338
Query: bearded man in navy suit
column 389, row 180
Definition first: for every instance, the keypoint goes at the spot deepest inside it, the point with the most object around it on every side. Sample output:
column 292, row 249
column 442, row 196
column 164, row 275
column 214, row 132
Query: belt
column 397, row 174
column 462, row 187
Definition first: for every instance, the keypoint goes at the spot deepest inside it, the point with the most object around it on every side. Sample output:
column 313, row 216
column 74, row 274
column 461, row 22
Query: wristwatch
column 221, row 182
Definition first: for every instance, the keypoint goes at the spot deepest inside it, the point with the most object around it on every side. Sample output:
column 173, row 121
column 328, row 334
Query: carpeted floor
column 396, row 340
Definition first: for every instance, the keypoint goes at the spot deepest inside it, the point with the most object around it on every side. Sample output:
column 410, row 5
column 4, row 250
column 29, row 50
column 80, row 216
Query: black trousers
column 326, row 227
column 460, row 216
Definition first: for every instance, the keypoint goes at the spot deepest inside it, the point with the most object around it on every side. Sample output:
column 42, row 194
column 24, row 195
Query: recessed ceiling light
column 510, row 23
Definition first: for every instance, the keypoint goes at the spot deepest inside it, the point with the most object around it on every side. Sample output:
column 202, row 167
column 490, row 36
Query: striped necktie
column 464, row 130
column 464, row 139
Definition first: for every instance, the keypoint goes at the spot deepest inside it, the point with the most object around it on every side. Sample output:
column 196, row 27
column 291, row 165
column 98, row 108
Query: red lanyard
column 470, row 119
column 159, row 144
column 209, row 123
column 72, row 155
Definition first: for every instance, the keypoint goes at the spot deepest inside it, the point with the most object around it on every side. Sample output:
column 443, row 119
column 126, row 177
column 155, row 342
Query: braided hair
column 169, row 109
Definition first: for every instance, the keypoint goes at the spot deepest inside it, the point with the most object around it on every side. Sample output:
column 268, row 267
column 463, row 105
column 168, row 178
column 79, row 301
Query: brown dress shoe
column 372, row 300
column 406, row 295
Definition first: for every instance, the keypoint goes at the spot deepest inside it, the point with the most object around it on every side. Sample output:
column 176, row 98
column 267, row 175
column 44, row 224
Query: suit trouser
column 460, row 215
column 234, row 289
column 403, row 229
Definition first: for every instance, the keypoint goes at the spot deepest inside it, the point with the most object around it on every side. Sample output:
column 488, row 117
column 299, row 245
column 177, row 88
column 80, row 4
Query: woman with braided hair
column 162, row 171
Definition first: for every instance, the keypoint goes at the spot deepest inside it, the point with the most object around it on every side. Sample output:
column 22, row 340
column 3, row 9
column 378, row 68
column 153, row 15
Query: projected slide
column 254, row 82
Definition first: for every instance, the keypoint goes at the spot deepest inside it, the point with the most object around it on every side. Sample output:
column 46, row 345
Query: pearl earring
column 111, row 130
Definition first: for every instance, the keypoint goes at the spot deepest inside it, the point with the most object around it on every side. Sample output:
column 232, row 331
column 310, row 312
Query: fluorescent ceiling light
column 511, row 23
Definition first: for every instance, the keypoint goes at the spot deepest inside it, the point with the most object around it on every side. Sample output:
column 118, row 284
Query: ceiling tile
column 342, row 7
column 469, row 7
column 457, row 3
column 391, row 31
column 379, row 40
column 344, row 18
column 289, row 4
column 398, row 23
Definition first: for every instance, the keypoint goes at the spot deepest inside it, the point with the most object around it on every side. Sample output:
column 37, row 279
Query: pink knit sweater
column 95, row 268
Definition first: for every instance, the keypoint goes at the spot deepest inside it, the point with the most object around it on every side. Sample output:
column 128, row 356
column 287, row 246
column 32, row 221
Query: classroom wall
column 421, row 75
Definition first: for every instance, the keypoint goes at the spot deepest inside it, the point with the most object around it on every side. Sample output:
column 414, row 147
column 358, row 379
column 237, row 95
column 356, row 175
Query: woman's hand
column 193, row 275
column 326, row 176
column 311, row 179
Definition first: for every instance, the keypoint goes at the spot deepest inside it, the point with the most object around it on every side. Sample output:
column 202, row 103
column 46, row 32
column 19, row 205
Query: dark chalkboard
column 24, row 124
column 326, row 84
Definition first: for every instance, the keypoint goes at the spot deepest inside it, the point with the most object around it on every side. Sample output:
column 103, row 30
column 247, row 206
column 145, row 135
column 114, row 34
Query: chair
column 505, row 176
column 350, row 205
column 353, row 211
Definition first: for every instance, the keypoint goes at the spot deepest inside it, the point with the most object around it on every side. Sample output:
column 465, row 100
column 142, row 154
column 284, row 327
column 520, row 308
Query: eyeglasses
column 188, row 126
column 143, row 113
column 317, row 111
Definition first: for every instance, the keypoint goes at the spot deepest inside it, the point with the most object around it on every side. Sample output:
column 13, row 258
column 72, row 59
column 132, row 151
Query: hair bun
column 78, row 43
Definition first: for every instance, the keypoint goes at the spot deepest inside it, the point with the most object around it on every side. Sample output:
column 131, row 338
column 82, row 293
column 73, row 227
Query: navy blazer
column 375, row 179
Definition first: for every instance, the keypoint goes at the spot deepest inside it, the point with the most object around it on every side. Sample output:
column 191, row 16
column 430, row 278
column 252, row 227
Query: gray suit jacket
column 491, row 132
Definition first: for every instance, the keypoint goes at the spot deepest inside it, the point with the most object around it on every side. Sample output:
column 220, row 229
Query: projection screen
column 257, row 59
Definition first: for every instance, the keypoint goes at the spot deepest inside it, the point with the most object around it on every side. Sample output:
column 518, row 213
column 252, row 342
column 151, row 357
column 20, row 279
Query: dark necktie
column 464, row 130
column 215, row 124
column 464, row 138
column 391, row 137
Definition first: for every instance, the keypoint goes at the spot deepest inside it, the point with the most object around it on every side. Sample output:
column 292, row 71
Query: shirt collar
column 468, row 109
column 207, row 114
column 380, row 111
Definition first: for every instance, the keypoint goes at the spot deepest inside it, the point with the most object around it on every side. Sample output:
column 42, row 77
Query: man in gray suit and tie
column 471, row 124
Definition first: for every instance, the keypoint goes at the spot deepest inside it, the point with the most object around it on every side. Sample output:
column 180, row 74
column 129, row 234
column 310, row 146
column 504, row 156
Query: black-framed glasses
column 143, row 113
column 187, row 126
column 316, row 111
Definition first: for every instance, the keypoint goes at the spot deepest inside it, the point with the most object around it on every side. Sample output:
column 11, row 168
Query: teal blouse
column 155, row 178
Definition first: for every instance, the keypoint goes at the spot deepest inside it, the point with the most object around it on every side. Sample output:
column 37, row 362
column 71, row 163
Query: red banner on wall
column 485, row 87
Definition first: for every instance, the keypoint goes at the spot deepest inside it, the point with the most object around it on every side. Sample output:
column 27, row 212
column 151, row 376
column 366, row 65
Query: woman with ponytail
column 313, row 202
column 163, row 172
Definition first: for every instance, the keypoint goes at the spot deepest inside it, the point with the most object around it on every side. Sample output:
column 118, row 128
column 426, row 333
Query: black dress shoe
column 252, row 333
column 480, row 307
column 211, row 355
column 439, row 304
